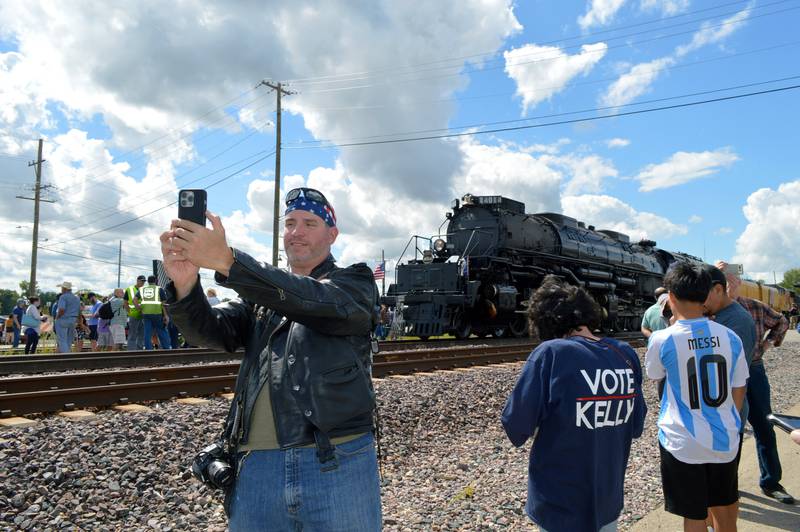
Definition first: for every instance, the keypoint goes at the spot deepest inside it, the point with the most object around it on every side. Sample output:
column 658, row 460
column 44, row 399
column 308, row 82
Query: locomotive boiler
column 477, row 279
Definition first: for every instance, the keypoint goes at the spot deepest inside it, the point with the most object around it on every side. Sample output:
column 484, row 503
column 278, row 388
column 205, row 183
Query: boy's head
column 557, row 308
column 717, row 296
column 688, row 282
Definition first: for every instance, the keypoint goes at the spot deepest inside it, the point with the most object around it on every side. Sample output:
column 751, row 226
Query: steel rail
column 91, row 360
column 26, row 395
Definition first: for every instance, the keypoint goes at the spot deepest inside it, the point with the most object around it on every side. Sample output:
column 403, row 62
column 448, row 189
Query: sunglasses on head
column 310, row 193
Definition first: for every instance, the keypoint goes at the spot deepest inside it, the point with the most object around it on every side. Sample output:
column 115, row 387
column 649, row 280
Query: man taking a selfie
column 300, row 426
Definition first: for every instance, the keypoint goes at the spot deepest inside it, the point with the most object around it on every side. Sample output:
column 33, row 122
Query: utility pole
column 119, row 266
column 279, row 90
column 37, row 164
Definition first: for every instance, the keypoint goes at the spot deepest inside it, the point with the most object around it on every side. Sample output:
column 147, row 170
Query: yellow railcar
column 778, row 298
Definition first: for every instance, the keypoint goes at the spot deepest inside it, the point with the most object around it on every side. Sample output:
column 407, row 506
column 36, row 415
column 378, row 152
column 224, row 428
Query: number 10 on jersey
column 696, row 387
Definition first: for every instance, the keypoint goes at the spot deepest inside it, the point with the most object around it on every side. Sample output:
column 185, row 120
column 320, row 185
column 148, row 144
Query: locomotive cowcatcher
column 478, row 278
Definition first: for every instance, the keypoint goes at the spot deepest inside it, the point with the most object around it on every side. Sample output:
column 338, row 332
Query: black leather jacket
column 308, row 337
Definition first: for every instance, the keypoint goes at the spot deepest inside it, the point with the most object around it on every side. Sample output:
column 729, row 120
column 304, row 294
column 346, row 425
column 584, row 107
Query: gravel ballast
column 447, row 464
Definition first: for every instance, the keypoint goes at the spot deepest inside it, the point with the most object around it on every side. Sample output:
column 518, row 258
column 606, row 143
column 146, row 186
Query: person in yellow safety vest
column 133, row 308
column 154, row 317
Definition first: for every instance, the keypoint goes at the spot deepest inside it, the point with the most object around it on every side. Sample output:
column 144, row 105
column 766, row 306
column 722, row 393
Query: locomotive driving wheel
column 462, row 326
column 463, row 330
column 518, row 327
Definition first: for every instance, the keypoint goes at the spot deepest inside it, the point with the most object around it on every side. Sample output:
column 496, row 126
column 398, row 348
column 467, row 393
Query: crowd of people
column 134, row 318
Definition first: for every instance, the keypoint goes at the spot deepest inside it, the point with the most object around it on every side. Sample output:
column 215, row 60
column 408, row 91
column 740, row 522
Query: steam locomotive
column 477, row 280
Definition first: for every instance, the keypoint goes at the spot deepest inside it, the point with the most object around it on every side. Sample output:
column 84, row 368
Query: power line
column 151, row 158
column 558, row 87
column 551, row 115
column 217, row 182
column 108, row 250
column 237, row 143
column 182, row 127
column 561, row 122
column 485, row 69
column 584, row 36
column 128, row 266
column 13, row 156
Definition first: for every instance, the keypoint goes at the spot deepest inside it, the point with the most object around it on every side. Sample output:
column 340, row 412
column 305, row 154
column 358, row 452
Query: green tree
column 8, row 300
column 47, row 299
column 791, row 279
column 24, row 285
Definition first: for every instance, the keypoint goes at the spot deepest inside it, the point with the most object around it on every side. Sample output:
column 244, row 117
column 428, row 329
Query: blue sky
column 137, row 106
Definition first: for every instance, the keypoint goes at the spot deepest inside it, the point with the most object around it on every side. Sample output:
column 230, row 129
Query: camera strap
column 325, row 451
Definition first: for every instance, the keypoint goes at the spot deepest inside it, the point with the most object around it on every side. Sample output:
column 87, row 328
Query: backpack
column 105, row 312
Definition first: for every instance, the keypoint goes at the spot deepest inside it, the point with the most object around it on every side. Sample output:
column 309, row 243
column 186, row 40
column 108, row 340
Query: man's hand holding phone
column 182, row 272
column 187, row 247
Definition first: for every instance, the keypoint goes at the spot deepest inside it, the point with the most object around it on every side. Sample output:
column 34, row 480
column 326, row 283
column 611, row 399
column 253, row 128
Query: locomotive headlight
column 439, row 245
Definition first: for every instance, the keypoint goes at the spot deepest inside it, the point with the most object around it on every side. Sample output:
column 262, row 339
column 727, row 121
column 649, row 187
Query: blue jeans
column 65, row 334
column 31, row 341
column 758, row 397
column 135, row 334
column 610, row 527
column 15, row 341
column 174, row 340
column 285, row 490
column 151, row 322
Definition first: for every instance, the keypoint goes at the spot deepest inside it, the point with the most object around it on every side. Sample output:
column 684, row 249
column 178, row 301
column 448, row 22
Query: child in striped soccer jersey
column 706, row 375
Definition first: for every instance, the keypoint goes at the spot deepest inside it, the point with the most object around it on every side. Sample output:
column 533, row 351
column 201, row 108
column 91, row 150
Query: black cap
column 141, row 278
column 717, row 277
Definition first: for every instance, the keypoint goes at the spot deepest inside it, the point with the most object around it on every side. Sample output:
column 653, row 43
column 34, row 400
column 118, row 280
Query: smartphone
column 734, row 269
column 192, row 206
column 785, row 422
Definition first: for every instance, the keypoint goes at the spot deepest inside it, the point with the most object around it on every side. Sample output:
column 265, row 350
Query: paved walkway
column 757, row 513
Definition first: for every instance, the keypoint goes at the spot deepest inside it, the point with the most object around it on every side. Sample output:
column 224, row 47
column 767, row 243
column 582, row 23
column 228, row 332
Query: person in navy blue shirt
column 580, row 398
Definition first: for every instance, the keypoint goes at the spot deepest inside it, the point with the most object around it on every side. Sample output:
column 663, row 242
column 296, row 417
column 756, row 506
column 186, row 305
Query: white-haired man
column 771, row 327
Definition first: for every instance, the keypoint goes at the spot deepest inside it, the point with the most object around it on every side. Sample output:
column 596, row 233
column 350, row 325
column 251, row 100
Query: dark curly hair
column 556, row 308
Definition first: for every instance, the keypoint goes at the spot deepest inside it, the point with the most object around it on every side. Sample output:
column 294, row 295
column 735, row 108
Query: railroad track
column 45, row 363
column 50, row 393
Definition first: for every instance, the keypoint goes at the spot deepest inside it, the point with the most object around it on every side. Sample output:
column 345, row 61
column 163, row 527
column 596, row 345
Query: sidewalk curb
column 757, row 512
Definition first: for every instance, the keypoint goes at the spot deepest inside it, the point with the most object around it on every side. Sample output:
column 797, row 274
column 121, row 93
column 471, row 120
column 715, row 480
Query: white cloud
column 617, row 143
column 695, row 219
column 587, row 171
column 82, row 207
column 407, row 33
column 600, row 12
column 771, row 241
column 199, row 56
column 489, row 170
column 258, row 119
column 635, row 82
column 552, row 148
column 542, row 71
column 711, row 33
column 683, row 167
column 666, row 7
column 638, row 79
column 607, row 212
column 723, row 231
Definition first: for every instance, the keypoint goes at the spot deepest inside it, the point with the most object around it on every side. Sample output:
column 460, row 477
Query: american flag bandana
column 322, row 210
